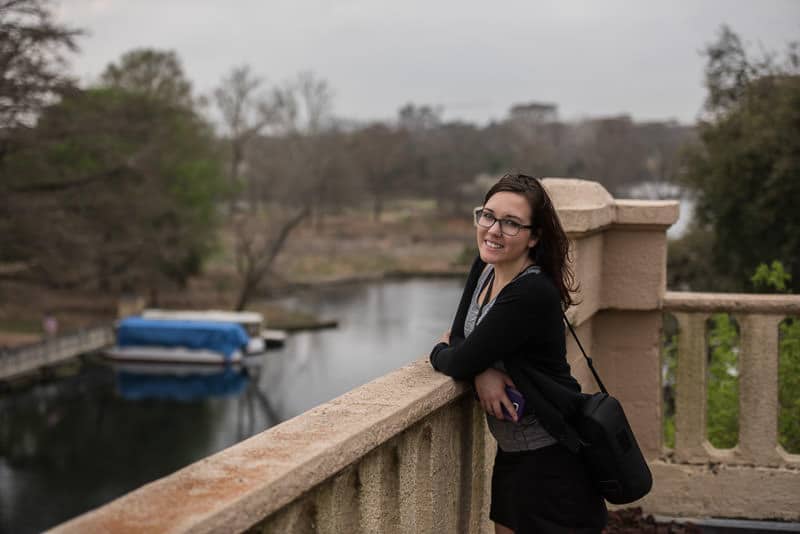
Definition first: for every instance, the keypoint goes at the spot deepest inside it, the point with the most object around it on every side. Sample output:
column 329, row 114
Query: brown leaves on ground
column 632, row 521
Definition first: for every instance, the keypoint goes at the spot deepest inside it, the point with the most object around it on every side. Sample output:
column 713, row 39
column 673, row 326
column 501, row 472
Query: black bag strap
column 588, row 359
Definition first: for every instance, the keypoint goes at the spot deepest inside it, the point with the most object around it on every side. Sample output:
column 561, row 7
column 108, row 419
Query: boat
column 181, row 341
column 253, row 323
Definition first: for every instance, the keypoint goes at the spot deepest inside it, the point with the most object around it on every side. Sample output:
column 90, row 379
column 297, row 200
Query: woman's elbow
column 455, row 371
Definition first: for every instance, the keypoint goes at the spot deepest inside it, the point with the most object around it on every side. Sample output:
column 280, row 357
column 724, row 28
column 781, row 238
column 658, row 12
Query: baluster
column 379, row 496
column 758, row 388
column 690, row 388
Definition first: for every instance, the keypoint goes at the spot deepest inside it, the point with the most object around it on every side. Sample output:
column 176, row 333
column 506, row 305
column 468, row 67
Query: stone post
column 620, row 257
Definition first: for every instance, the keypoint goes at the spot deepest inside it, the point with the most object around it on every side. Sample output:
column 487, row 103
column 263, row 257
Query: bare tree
column 33, row 50
column 291, row 168
column 381, row 155
column 257, row 249
column 245, row 113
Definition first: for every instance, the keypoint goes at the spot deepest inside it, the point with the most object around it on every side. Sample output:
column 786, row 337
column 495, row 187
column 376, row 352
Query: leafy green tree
column 116, row 186
column 722, row 409
column 789, row 386
column 745, row 170
column 154, row 73
column 117, row 189
column 771, row 277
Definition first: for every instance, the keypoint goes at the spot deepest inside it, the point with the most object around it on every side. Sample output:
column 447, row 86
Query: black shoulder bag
column 610, row 451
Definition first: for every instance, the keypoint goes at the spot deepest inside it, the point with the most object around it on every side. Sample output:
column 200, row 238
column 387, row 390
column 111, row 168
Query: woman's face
column 496, row 247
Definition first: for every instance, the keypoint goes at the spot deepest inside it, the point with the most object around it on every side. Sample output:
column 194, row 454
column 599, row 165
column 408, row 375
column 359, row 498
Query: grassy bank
column 411, row 238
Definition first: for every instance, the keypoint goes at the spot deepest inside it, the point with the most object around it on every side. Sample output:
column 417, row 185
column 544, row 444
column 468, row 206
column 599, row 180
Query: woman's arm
column 507, row 326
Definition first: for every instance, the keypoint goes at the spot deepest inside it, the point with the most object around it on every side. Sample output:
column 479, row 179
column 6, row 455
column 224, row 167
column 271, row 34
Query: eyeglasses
column 486, row 219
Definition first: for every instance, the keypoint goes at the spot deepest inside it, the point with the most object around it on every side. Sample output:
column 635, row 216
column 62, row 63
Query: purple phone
column 517, row 400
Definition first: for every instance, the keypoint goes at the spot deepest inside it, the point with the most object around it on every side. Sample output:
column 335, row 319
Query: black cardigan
column 524, row 329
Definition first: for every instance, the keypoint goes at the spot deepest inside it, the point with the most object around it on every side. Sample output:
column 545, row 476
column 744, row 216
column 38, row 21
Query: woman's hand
column 445, row 337
column 491, row 388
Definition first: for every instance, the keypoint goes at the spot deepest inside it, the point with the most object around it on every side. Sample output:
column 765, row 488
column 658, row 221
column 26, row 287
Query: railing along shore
column 53, row 350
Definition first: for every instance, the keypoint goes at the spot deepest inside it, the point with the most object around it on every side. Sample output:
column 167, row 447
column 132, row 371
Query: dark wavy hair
column 551, row 252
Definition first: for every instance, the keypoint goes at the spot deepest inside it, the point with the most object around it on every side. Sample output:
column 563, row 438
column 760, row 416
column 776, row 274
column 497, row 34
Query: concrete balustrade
column 409, row 452
column 756, row 478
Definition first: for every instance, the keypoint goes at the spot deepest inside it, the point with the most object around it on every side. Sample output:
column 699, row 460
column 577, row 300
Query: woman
column 508, row 333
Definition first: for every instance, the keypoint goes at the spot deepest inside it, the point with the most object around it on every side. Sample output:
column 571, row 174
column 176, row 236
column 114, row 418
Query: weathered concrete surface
column 646, row 214
column 588, row 265
column 719, row 490
column 732, row 302
column 627, row 355
column 634, row 269
column 583, row 206
column 239, row 487
column 690, row 389
column 758, row 388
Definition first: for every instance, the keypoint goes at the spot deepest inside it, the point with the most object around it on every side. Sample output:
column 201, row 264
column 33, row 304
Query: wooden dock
column 50, row 351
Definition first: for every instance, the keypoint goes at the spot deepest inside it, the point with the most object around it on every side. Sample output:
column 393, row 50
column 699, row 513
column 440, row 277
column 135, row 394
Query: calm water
column 74, row 443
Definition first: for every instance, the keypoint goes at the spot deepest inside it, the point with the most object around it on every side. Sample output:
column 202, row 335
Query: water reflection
column 73, row 443
column 147, row 381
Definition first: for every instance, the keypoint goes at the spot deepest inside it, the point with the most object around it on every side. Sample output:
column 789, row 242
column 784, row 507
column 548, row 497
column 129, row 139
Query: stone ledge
column 684, row 301
column 240, row 486
column 586, row 207
column 652, row 213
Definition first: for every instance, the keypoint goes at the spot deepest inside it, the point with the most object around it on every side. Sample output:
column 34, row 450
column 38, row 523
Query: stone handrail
column 404, row 453
column 683, row 301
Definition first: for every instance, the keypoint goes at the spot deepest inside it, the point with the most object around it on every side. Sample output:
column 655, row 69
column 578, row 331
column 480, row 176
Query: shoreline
column 276, row 316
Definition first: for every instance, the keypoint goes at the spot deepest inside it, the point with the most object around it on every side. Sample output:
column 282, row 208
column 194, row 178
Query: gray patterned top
column 528, row 434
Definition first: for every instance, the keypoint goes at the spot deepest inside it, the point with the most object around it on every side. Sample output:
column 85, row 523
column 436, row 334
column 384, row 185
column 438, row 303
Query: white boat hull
column 171, row 354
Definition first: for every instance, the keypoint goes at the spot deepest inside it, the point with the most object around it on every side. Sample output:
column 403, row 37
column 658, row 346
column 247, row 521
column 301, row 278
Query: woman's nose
column 495, row 228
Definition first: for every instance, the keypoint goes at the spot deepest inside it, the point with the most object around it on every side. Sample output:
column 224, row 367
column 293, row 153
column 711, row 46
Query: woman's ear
column 533, row 240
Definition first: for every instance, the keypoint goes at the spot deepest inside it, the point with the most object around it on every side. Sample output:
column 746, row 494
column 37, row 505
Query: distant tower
column 534, row 113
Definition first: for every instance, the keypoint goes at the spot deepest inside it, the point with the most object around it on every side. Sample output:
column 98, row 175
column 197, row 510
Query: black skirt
column 545, row 490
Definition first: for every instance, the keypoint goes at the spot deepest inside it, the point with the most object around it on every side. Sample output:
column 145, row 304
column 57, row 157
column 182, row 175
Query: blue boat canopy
column 224, row 338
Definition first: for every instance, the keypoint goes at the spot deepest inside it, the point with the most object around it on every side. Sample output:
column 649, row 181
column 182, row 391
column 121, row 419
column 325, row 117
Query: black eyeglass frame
column 479, row 212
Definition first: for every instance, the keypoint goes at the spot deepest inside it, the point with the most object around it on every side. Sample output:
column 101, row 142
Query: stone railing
column 756, row 479
column 405, row 453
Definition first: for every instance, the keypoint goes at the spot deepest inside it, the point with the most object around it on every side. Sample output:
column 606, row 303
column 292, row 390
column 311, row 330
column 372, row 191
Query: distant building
column 535, row 112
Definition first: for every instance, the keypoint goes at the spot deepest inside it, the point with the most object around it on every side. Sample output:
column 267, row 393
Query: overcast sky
column 475, row 59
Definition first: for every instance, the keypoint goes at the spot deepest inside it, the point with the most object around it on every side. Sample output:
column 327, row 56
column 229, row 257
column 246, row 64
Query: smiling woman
column 508, row 338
